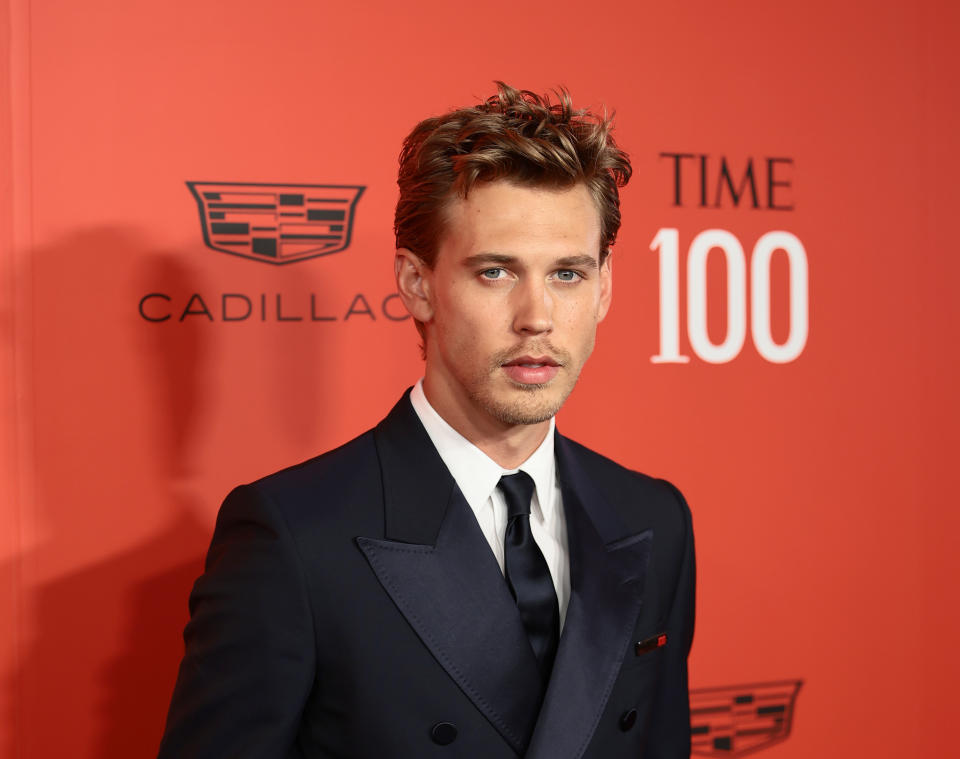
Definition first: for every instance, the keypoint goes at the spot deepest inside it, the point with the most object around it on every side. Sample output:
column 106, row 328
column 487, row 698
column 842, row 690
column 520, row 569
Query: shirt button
column 443, row 733
column 628, row 720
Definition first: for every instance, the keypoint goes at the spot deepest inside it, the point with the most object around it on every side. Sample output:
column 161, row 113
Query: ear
column 606, row 285
column 413, row 284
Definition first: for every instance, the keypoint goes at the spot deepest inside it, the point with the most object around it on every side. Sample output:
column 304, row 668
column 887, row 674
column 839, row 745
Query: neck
column 507, row 444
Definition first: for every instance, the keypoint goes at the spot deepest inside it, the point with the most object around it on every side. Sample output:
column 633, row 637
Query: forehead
column 504, row 217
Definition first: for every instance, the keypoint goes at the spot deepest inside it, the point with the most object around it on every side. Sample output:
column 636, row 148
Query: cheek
column 476, row 313
column 579, row 317
column 464, row 325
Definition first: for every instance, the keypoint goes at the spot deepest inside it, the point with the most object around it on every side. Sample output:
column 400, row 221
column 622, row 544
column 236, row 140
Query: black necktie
column 527, row 573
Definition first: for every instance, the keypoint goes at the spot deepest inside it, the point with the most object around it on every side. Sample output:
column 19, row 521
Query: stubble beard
column 531, row 404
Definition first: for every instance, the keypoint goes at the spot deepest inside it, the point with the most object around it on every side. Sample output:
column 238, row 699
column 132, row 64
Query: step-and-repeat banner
column 197, row 291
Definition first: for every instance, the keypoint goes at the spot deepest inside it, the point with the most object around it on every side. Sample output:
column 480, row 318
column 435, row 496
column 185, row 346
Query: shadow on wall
column 119, row 405
column 119, row 621
column 97, row 667
column 138, row 678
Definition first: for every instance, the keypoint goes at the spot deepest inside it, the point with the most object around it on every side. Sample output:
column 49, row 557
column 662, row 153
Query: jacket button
column 628, row 720
column 443, row 733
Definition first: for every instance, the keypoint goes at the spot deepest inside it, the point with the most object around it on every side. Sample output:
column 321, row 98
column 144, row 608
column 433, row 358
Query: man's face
column 514, row 297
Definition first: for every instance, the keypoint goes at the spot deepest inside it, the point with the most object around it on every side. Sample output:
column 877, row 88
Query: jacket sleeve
column 670, row 723
column 249, row 660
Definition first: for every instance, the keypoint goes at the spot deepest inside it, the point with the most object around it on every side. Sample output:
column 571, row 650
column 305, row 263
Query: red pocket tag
column 657, row 641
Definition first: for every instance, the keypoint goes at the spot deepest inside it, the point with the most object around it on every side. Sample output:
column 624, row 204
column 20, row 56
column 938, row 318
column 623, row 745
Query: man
column 461, row 580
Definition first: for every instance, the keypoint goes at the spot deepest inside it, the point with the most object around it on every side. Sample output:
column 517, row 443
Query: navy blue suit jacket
column 350, row 604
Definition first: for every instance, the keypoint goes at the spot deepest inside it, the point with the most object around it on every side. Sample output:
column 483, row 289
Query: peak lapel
column 437, row 567
column 607, row 570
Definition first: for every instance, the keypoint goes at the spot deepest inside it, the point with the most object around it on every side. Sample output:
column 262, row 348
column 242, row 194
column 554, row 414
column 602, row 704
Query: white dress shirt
column 477, row 475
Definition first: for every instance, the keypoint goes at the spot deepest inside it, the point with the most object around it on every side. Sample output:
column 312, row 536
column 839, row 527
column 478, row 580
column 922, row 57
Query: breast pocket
column 646, row 653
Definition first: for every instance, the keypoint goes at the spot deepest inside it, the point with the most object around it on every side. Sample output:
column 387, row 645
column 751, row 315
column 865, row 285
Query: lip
column 541, row 360
column 531, row 370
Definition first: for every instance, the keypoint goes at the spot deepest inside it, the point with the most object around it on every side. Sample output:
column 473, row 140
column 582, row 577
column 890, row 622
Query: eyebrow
column 482, row 259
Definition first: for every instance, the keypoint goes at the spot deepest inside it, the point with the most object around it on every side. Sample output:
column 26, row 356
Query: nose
column 533, row 308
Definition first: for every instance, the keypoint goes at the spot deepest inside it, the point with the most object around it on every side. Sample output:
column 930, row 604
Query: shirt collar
column 477, row 474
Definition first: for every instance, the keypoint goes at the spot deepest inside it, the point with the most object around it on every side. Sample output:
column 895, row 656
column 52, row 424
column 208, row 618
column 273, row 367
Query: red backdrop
column 817, row 463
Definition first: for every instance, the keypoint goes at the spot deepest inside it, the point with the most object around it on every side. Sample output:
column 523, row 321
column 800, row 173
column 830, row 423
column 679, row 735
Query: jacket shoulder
column 640, row 499
column 354, row 454
column 325, row 488
column 617, row 480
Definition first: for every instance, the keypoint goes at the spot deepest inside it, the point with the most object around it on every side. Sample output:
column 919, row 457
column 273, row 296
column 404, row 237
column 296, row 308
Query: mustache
column 538, row 348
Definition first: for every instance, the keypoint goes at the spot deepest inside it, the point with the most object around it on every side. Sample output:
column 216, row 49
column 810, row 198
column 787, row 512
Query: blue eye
column 567, row 275
column 492, row 273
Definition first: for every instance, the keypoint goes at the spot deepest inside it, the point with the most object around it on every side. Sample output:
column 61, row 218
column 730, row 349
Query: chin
column 527, row 404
